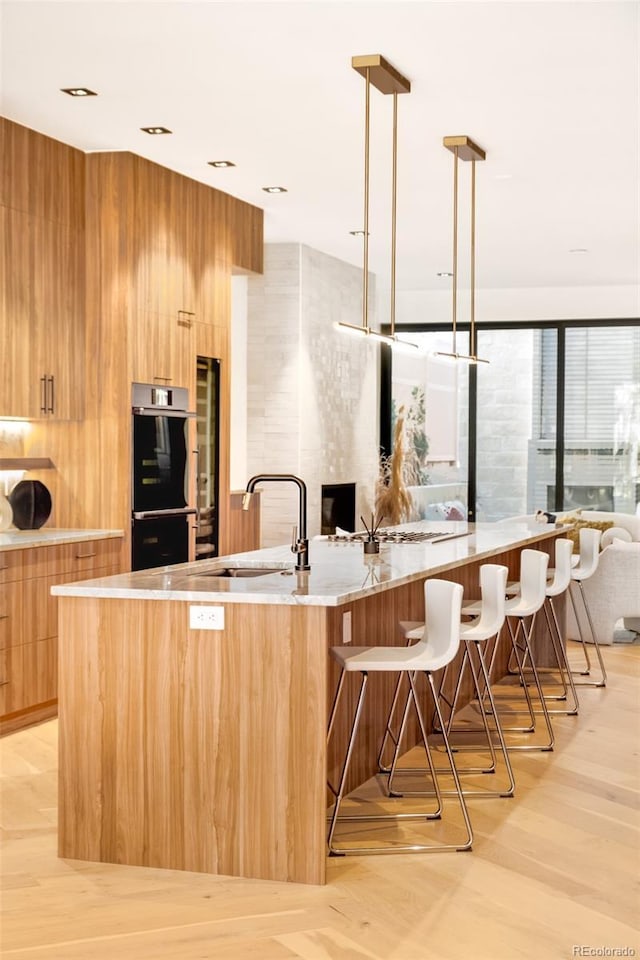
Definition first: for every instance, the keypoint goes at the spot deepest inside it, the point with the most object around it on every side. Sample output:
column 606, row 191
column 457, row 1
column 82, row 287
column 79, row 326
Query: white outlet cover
column 206, row 618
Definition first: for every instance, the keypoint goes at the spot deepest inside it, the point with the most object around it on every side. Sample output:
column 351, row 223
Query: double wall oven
column 160, row 476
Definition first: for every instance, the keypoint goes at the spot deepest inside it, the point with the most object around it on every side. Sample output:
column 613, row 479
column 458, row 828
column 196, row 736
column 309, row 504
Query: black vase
column 31, row 504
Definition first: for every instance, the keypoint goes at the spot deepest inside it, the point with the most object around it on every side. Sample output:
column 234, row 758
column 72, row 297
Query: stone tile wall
column 312, row 407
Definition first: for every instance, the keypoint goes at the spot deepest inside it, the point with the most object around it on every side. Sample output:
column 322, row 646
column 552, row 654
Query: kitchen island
column 194, row 699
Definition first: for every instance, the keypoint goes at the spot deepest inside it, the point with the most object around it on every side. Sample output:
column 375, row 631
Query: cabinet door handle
column 52, row 402
column 3, row 683
column 162, row 379
column 43, row 394
column 85, row 556
column 196, row 454
column 4, row 616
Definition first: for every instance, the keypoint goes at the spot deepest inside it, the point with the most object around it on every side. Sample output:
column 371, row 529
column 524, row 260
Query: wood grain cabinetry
column 163, row 348
column 41, row 277
column 28, row 622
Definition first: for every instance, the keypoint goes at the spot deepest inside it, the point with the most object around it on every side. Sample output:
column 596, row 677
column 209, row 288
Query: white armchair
column 613, row 593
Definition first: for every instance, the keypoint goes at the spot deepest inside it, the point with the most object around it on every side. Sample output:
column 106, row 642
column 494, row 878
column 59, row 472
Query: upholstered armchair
column 613, row 592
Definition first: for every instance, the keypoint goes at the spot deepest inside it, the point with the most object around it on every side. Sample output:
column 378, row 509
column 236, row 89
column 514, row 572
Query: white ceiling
column 549, row 89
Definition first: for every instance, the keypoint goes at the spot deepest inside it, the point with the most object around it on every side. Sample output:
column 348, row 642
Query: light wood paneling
column 41, row 273
column 243, row 525
column 40, row 176
column 207, row 747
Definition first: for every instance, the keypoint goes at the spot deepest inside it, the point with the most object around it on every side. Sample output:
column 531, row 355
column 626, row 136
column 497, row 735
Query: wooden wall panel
column 164, row 751
column 41, row 176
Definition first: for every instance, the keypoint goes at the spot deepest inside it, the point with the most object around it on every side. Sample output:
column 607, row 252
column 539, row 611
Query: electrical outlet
column 206, row 618
column 346, row 627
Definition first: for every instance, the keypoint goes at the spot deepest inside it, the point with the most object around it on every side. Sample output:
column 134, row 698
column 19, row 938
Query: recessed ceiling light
column 78, row 91
column 357, row 233
column 220, row 163
column 444, row 273
column 275, row 189
column 154, row 131
column 578, row 250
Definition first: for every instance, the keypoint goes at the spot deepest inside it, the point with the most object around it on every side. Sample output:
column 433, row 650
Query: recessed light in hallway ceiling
column 155, row 131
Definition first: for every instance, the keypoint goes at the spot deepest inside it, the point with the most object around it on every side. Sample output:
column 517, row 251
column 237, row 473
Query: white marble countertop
column 22, row 539
column 340, row 572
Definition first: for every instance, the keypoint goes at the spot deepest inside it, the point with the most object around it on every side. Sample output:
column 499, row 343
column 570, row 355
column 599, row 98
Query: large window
column 431, row 394
column 552, row 422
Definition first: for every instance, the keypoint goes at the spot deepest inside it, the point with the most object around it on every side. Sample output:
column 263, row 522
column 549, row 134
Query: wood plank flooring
column 553, row 870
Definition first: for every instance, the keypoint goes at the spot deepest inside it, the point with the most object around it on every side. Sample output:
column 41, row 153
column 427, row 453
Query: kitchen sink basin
column 244, row 572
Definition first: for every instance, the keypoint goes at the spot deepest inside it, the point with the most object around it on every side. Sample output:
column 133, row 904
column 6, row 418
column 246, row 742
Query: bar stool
column 525, row 606
column 558, row 581
column 484, row 626
column 585, row 568
column 443, row 602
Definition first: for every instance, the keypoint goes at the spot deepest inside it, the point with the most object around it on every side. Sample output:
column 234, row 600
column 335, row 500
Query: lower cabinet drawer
column 28, row 675
column 83, row 559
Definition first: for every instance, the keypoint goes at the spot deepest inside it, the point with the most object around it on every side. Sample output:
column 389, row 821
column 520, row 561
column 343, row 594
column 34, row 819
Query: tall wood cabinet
column 161, row 250
column 41, row 276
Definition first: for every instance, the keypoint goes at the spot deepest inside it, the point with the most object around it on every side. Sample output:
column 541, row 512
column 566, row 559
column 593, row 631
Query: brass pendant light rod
column 385, row 78
column 455, row 250
column 393, row 339
column 464, row 148
column 365, row 277
column 394, row 199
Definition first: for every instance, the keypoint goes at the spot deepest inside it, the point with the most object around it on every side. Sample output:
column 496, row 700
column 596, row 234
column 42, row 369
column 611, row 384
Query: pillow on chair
column 579, row 523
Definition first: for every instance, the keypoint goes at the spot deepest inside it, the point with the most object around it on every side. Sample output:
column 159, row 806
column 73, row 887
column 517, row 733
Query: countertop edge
column 28, row 539
column 100, row 589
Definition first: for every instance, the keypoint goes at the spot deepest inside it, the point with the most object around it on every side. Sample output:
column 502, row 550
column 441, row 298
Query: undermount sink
column 244, row 572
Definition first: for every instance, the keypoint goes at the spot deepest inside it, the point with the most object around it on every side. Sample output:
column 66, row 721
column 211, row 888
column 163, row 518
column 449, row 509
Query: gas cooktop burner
column 390, row 536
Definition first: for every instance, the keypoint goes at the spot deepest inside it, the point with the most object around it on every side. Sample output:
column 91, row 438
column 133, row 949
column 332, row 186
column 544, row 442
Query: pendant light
column 463, row 148
column 385, row 78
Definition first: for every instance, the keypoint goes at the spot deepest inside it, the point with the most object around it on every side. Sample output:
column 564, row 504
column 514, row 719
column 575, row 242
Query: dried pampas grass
column 393, row 502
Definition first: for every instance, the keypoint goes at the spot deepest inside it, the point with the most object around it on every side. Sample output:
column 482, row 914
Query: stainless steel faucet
column 300, row 543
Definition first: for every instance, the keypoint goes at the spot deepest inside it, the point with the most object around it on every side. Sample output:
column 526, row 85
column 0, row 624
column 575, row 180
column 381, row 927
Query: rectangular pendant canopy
column 467, row 149
column 382, row 75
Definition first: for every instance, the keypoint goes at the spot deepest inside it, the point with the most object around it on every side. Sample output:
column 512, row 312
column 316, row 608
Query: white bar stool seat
column 523, row 607
column 443, row 602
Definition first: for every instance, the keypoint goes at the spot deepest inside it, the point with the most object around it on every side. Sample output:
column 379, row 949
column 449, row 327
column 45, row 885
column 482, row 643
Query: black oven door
column 159, row 462
column 159, row 542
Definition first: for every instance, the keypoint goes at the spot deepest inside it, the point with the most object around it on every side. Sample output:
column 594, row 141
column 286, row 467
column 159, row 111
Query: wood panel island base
column 205, row 749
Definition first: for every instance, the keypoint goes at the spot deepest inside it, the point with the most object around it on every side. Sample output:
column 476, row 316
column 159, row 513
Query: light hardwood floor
column 553, row 870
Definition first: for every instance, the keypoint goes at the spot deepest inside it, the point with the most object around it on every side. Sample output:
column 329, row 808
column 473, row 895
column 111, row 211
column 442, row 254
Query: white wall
column 312, row 390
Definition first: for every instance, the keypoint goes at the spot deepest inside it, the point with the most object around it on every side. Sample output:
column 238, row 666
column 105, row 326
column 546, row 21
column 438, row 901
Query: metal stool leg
column 602, row 682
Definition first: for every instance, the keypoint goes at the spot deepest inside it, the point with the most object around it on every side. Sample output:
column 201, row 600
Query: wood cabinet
column 41, row 277
column 28, row 622
column 43, row 342
column 163, row 348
